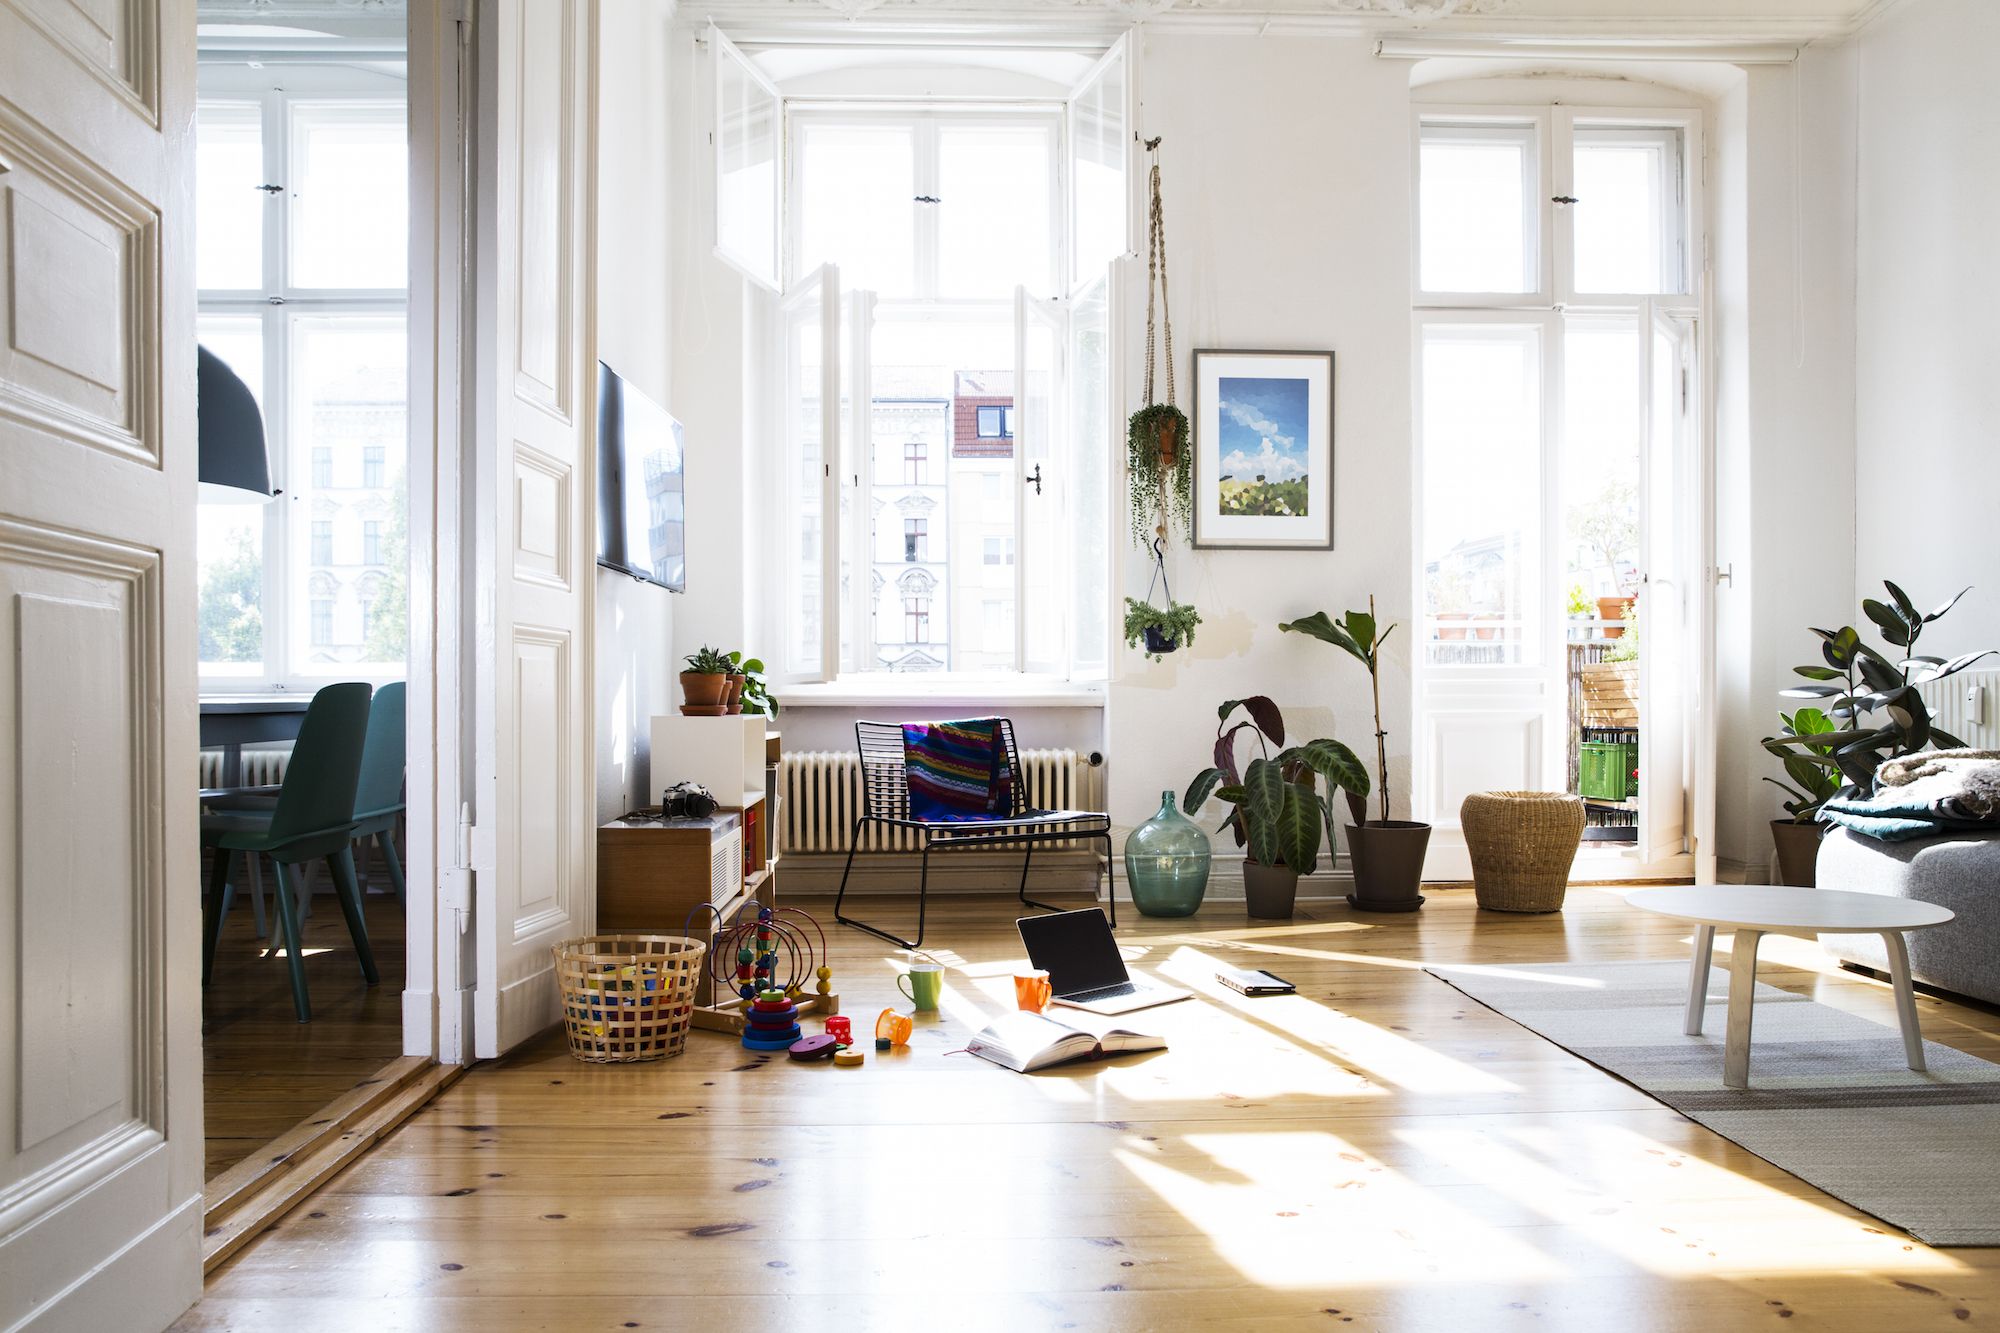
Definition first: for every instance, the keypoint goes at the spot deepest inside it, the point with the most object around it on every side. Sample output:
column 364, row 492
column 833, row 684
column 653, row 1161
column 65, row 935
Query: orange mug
column 1031, row 991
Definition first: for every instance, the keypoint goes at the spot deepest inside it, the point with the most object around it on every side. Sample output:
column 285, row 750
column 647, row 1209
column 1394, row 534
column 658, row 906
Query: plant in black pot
column 1812, row 783
column 1279, row 813
column 1161, row 632
column 1388, row 854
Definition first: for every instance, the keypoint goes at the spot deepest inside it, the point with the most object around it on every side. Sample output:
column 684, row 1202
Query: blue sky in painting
column 1264, row 428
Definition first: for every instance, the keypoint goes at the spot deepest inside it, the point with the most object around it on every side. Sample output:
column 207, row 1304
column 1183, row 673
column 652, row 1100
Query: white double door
column 1607, row 416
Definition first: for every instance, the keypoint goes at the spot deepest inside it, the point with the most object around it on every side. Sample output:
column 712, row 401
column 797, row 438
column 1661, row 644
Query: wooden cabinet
column 651, row 874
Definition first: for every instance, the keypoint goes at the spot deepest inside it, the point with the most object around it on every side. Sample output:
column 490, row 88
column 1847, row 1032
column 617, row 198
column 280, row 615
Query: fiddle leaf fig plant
column 1279, row 812
column 1873, row 698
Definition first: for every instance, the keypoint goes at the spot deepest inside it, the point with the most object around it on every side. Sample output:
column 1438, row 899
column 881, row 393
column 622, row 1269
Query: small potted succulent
column 705, row 683
column 1279, row 813
column 1388, row 854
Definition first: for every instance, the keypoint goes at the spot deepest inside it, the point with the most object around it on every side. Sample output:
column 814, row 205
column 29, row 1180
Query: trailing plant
column 1356, row 635
column 1159, row 481
column 1873, row 698
column 1175, row 624
column 1279, row 812
column 708, row 662
column 1813, row 782
column 757, row 697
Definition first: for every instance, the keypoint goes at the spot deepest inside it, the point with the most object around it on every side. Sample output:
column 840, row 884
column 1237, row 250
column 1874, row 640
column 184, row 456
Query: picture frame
column 1263, row 450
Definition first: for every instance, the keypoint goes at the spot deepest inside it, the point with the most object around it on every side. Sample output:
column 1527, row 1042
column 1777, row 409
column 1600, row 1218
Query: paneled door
column 100, row 1010
column 534, row 840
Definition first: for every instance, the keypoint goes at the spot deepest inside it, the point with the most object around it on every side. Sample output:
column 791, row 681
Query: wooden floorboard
column 262, row 1070
column 1379, row 1151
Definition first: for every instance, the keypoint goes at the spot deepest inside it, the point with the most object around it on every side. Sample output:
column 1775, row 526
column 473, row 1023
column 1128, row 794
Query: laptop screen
column 1076, row 949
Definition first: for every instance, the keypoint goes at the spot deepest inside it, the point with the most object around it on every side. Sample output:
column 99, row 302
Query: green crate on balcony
column 1607, row 770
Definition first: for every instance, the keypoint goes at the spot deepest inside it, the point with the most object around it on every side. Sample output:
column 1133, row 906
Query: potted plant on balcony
column 1279, row 812
column 1814, row 780
column 705, row 683
column 1388, row 854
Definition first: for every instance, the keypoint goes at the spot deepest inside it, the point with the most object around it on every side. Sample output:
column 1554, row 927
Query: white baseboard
column 148, row 1284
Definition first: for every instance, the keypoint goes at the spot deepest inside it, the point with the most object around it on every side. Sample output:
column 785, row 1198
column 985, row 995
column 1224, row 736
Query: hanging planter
column 1159, row 462
column 1161, row 630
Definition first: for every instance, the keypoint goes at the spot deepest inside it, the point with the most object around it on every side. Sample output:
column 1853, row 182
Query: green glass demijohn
column 1166, row 863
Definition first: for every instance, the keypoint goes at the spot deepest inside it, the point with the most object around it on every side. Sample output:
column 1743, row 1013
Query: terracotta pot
column 702, row 693
column 1451, row 635
column 1269, row 892
column 1388, row 861
column 1798, row 852
column 1169, row 443
column 1612, row 609
column 733, row 699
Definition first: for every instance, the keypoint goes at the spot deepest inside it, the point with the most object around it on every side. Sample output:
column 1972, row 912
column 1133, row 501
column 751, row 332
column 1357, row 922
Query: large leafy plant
column 1872, row 697
column 1814, row 781
column 1356, row 635
column 1279, row 812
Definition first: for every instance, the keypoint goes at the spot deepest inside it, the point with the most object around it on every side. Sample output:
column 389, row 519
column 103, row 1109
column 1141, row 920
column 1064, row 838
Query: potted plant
column 1279, row 812
column 1615, row 612
column 705, row 683
column 1579, row 607
column 1162, row 632
column 755, row 695
column 1813, row 783
column 1159, row 472
column 1388, row 854
column 1873, row 697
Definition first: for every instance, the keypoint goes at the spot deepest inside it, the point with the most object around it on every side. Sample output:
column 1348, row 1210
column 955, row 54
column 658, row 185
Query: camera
column 686, row 800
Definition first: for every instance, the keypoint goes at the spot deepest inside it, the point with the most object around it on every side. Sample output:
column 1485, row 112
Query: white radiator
column 261, row 767
column 1968, row 706
column 819, row 798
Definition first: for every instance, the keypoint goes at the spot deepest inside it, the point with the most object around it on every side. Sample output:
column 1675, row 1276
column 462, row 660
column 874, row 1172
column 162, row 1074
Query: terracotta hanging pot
column 1169, row 443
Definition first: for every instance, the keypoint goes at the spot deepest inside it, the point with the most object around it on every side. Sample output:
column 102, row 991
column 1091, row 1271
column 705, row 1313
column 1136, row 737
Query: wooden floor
column 262, row 1070
column 1379, row 1151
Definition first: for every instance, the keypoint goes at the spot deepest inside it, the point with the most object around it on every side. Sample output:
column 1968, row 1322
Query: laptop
column 1085, row 968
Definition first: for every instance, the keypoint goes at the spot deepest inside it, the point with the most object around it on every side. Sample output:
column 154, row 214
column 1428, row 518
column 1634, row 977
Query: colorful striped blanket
column 957, row 770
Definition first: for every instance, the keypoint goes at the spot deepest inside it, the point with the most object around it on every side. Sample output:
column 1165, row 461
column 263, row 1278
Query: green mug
column 926, row 983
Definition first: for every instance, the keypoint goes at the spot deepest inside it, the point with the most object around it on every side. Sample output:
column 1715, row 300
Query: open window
column 749, row 152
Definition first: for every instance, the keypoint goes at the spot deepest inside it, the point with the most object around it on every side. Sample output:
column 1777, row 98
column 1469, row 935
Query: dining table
column 231, row 721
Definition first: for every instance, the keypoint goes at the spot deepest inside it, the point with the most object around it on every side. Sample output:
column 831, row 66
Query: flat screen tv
column 641, row 485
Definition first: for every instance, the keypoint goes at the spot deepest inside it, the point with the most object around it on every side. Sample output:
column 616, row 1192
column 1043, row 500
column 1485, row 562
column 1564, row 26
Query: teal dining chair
column 378, row 800
column 312, row 819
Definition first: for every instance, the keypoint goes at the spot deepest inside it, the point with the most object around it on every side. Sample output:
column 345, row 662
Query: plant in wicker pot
column 1279, row 813
column 1388, row 854
column 705, row 683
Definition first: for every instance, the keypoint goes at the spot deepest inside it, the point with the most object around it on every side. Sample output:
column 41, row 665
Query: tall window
column 916, row 539
column 301, row 261
column 916, row 462
column 916, row 620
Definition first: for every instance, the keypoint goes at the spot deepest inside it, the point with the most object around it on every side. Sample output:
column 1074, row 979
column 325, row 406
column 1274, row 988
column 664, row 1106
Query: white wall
column 635, row 299
column 1927, row 357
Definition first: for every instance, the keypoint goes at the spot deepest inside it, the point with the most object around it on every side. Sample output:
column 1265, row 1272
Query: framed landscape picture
column 1263, row 450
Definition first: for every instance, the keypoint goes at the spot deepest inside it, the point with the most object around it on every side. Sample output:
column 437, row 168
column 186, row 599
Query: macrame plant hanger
column 1169, row 434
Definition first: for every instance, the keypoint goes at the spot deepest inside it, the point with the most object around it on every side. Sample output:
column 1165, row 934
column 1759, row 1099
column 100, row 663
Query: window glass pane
column 856, row 209
column 1627, row 212
column 995, row 183
column 1091, row 467
column 349, row 388
column 1097, row 146
column 229, row 561
column 1482, row 490
column 1477, row 208
column 228, row 206
column 929, row 541
column 350, row 193
column 1600, row 476
column 804, row 436
column 746, row 167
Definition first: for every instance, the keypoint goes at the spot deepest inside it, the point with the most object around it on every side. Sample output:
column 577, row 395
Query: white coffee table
column 1756, row 910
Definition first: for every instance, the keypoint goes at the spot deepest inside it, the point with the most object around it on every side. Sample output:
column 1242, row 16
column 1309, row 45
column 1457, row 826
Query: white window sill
column 938, row 691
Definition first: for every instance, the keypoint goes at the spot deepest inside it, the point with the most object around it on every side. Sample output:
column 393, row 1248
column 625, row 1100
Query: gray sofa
column 1960, row 871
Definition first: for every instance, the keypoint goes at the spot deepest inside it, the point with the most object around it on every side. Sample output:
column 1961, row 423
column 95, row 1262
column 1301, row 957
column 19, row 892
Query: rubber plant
column 1278, row 811
column 1873, row 697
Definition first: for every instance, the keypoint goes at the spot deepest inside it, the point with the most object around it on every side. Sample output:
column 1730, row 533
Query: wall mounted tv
column 641, row 485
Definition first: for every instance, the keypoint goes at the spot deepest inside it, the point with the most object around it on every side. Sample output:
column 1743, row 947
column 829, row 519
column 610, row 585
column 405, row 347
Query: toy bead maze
column 760, row 967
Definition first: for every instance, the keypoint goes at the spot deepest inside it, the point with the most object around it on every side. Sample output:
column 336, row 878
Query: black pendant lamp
column 234, row 466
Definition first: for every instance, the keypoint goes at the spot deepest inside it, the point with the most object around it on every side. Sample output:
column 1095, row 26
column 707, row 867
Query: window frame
column 279, row 306
column 1554, row 237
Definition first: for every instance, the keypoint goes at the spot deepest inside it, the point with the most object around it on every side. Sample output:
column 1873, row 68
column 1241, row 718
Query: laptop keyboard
column 1103, row 993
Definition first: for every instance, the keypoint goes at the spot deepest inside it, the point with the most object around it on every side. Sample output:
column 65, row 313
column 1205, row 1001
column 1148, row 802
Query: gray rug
column 1830, row 1099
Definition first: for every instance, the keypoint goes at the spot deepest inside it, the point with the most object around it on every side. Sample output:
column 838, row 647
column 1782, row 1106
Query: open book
column 1024, row 1042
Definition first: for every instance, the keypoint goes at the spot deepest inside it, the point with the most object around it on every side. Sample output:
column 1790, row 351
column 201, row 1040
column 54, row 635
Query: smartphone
column 1247, row 981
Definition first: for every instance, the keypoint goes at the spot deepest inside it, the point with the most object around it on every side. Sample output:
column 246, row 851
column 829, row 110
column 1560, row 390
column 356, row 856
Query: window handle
column 1035, row 479
column 928, row 199
column 272, row 189
column 1563, row 199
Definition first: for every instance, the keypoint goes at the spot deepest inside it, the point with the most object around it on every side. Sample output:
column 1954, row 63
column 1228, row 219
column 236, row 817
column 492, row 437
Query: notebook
column 1024, row 1042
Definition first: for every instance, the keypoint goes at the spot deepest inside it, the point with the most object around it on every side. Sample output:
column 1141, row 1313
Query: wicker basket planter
column 1522, row 844
column 627, row 997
